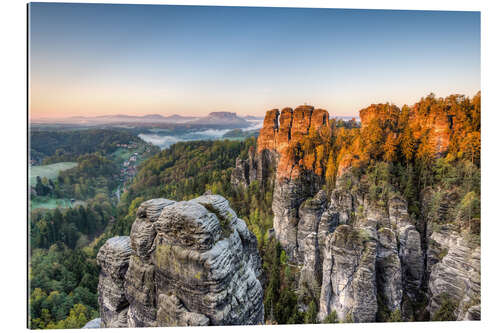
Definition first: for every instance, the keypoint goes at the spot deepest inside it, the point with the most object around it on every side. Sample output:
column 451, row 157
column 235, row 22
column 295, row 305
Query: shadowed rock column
column 410, row 249
column 113, row 257
column 139, row 282
column 349, row 285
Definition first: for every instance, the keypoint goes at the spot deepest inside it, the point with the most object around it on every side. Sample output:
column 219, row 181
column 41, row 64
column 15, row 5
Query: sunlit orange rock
column 382, row 113
column 301, row 122
column 267, row 135
column 438, row 123
column 319, row 118
column 282, row 130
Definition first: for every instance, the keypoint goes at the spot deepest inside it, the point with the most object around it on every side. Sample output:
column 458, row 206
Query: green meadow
column 53, row 203
column 49, row 203
column 51, row 171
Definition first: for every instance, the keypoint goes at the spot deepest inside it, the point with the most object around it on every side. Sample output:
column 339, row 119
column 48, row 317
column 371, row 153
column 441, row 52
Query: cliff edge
column 187, row 263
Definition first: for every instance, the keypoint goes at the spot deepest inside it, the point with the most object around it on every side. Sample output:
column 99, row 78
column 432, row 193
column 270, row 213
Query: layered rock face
column 363, row 259
column 375, row 254
column 281, row 130
column 185, row 263
column 311, row 233
column 113, row 257
column 288, row 196
column 455, row 273
column 410, row 247
column 95, row 323
column 453, row 259
column 273, row 156
column 140, row 282
column 294, row 179
column 364, row 265
column 258, row 167
column 306, row 219
column 349, row 276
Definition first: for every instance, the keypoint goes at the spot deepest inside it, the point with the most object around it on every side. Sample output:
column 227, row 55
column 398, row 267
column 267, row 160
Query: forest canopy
column 429, row 150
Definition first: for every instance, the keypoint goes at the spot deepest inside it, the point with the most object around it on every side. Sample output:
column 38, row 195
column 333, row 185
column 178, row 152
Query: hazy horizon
column 100, row 59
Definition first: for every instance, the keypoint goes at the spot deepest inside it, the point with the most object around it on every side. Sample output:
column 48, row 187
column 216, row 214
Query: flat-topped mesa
column 187, row 263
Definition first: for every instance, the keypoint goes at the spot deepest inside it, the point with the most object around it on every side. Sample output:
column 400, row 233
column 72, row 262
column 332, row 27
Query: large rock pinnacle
column 185, row 263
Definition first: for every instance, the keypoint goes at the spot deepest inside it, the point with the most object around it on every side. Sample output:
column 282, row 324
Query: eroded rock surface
column 349, row 285
column 140, row 279
column 94, row 323
column 456, row 274
column 410, row 248
column 185, row 263
column 113, row 257
column 412, row 266
column 389, row 282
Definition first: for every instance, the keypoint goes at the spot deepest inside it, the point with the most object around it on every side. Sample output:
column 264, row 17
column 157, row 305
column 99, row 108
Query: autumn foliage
column 417, row 135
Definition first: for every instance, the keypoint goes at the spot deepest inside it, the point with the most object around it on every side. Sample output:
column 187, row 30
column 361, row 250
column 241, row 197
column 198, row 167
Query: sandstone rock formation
column 113, row 258
column 455, row 274
column 304, row 217
column 410, row 249
column 453, row 265
column 362, row 252
column 349, row 284
column 389, row 281
column 185, row 263
column 397, row 270
column 396, row 265
column 282, row 130
column 140, row 279
column 295, row 180
column 94, row 323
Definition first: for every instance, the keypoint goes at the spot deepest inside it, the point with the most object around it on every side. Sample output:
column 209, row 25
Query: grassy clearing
column 53, row 203
column 49, row 203
column 122, row 154
column 51, row 171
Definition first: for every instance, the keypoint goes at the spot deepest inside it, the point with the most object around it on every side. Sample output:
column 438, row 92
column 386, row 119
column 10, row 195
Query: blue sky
column 89, row 59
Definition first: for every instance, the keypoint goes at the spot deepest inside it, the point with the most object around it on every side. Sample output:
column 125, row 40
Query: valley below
column 300, row 218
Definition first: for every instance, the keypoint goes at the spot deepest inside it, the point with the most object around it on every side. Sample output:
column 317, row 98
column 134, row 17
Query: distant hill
column 219, row 119
column 238, row 133
column 178, row 119
column 229, row 119
column 118, row 119
column 249, row 117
